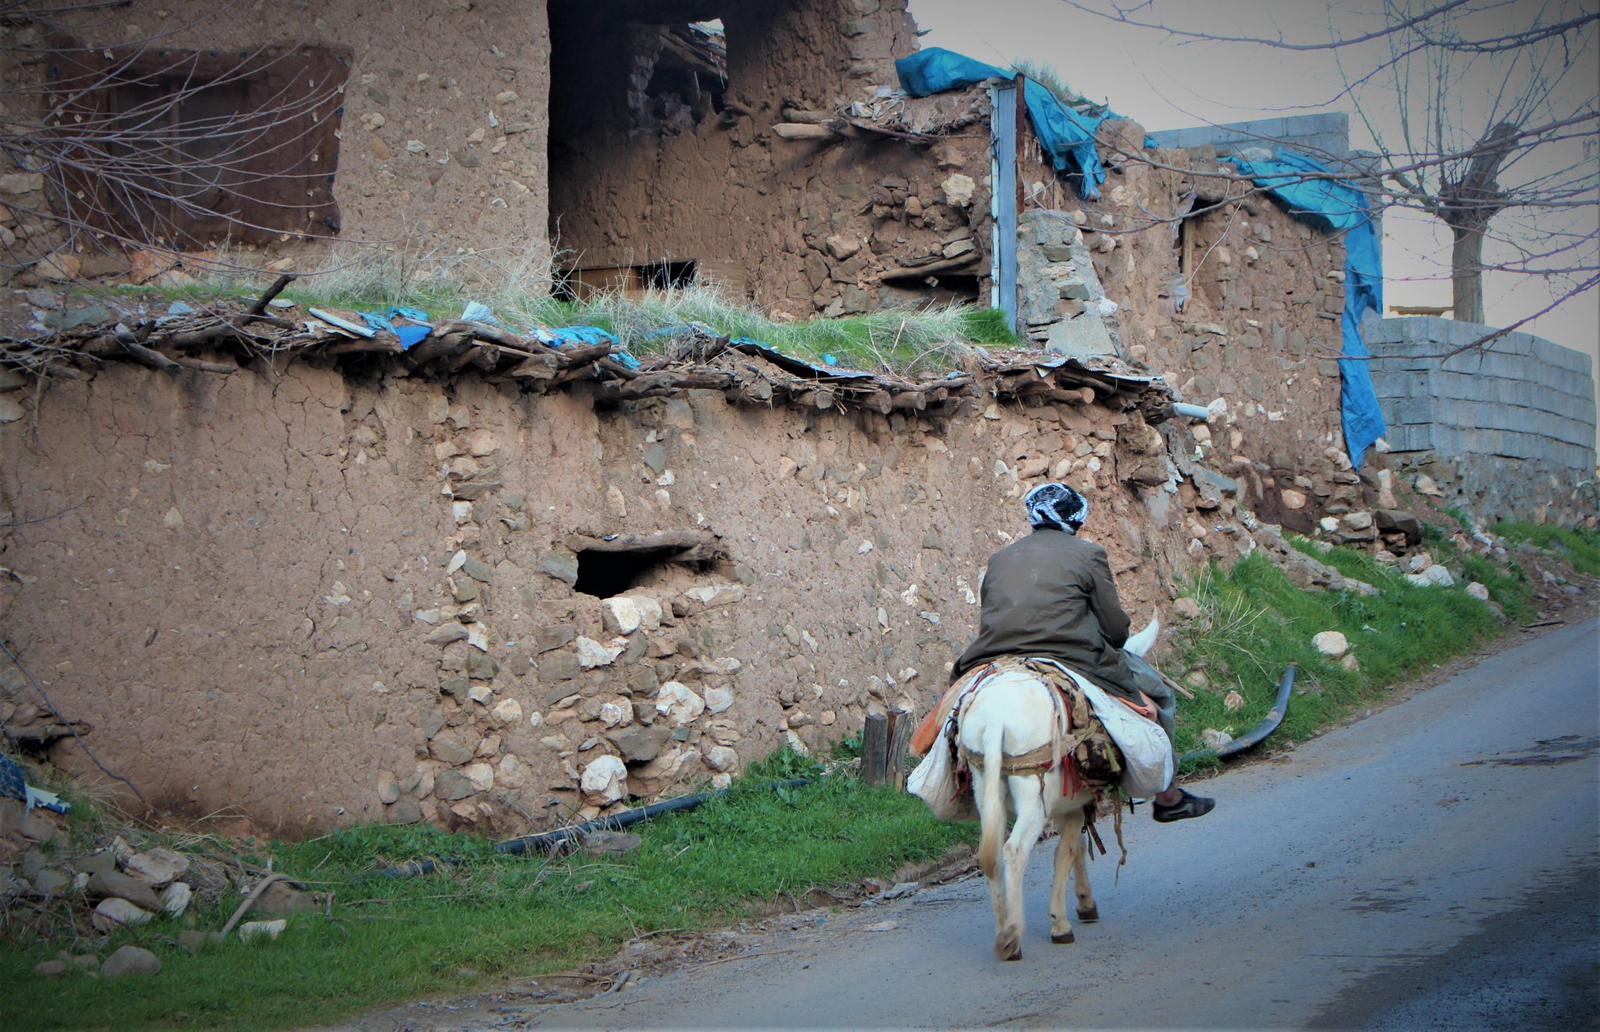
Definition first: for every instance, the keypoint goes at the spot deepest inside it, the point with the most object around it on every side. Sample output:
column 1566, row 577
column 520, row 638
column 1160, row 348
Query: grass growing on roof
column 916, row 341
column 1257, row 623
column 493, row 916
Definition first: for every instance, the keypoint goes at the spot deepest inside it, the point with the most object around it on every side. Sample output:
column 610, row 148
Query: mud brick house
column 490, row 583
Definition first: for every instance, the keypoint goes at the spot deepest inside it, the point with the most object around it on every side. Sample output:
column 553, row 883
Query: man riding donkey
column 1051, row 594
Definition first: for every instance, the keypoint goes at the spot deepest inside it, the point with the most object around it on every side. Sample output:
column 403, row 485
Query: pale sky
column 1163, row 85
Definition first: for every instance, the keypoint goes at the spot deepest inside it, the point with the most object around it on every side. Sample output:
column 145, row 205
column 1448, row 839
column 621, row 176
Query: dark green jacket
column 1051, row 594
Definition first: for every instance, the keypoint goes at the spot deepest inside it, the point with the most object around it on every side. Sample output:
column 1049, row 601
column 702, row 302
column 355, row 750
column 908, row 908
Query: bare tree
column 1484, row 113
column 140, row 145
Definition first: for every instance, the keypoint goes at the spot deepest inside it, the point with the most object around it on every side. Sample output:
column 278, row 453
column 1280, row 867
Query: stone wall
column 1506, row 431
column 439, row 151
column 255, row 593
column 1258, row 329
column 800, row 226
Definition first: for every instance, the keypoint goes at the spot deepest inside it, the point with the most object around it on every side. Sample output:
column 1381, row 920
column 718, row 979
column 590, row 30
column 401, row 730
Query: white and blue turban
column 1056, row 505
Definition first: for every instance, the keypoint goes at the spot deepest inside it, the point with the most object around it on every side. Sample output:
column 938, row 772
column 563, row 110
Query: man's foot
column 1187, row 806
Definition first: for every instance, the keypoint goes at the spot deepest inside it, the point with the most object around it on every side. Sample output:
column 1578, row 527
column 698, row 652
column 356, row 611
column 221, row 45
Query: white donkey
column 1010, row 717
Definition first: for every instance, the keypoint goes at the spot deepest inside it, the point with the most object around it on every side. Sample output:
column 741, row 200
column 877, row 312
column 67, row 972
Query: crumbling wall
column 800, row 225
column 1259, row 326
column 255, row 593
column 438, row 152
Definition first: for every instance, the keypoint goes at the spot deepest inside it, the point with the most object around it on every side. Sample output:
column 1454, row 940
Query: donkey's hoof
column 1008, row 949
column 1063, row 938
column 1089, row 916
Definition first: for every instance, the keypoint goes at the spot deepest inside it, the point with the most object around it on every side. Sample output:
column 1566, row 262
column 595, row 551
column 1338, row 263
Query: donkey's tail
column 994, row 807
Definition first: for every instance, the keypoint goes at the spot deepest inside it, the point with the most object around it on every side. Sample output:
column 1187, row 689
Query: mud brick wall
column 256, row 594
column 800, row 226
column 444, row 118
column 1260, row 329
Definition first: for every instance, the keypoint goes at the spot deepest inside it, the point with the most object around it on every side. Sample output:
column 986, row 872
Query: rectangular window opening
column 187, row 148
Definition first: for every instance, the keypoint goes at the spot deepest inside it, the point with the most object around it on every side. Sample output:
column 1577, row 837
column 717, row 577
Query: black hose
column 1274, row 718
column 550, row 841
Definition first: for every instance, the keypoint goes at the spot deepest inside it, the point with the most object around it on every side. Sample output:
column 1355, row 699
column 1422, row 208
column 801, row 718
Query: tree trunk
column 1466, row 205
column 1466, row 273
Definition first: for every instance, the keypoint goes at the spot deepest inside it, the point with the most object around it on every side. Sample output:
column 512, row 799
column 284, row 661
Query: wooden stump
column 875, row 749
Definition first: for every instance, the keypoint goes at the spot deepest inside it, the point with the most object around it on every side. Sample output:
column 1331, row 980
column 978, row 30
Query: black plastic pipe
column 1274, row 718
column 550, row 841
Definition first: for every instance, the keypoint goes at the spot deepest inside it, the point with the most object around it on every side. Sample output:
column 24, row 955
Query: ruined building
column 501, row 579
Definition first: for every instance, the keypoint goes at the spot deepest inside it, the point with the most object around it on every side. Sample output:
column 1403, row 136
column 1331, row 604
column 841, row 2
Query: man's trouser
column 1148, row 680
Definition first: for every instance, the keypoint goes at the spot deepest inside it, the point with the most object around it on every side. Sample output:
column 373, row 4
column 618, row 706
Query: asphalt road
column 1436, row 865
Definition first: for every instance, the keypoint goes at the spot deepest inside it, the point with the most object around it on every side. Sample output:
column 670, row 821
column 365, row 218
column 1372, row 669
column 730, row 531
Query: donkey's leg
column 1029, row 803
column 1088, row 910
column 992, row 818
column 1069, row 860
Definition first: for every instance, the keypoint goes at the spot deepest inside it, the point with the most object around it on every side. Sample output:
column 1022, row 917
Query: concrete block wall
column 1519, row 415
column 1324, row 134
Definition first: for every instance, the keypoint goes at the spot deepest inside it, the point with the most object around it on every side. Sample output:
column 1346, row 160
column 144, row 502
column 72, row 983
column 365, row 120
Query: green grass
column 914, row 341
column 1259, row 623
column 1580, row 546
column 494, row 916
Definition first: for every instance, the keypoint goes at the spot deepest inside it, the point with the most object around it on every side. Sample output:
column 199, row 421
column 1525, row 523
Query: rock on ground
column 114, row 912
column 1332, row 644
column 130, row 960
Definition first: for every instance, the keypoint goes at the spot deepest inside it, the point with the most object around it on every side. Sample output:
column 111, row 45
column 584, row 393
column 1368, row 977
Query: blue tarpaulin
column 1336, row 205
column 1066, row 134
column 578, row 336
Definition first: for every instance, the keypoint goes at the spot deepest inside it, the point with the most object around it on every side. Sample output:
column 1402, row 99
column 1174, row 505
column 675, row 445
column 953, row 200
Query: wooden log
column 930, row 269
column 649, row 385
column 376, row 346
column 910, row 401
column 476, row 354
column 901, row 724
column 821, row 398
column 802, row 131
column 141, row 354
column 881, row 402
column 220, row 368
column 582, row 355
column 537, row 367
column 438, row 346
column 875, row 749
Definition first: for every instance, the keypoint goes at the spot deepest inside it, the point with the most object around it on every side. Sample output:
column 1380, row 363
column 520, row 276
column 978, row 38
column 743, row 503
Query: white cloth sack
column 1146, row 753
column 934, row 782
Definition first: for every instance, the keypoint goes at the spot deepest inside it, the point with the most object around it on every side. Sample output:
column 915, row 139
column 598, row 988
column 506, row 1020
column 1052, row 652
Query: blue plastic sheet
column 578, row 336
column 1067, row 135
column 411, row 336
column 1336, row 205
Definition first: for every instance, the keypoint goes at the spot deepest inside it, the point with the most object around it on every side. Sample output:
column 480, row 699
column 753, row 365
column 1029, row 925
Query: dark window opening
column 187, row 148
column 607, row 573
column 630, row 281
column 942, row 288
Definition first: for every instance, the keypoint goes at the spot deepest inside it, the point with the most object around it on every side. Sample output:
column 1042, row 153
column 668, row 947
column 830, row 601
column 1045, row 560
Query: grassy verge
column 493, row 916
column 1256, row 623
column 1580, row 547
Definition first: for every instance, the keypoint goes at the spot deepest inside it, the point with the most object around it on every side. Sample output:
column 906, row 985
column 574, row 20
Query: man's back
column 1051, row 594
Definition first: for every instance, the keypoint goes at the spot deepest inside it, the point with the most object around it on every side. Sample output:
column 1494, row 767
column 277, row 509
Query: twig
column 69, row 725
column 250, row 900
column 260, row 307
column 1175, row 686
